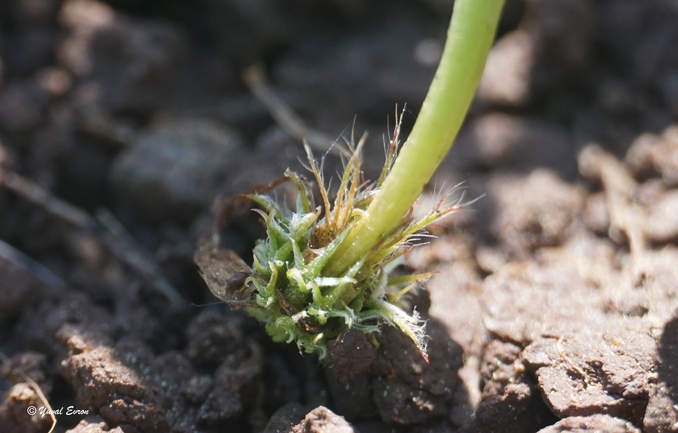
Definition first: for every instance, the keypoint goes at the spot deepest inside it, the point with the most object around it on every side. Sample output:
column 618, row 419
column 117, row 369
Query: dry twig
column 288, row 120
column 35, row 387
column 106, row 227
column 626, row 215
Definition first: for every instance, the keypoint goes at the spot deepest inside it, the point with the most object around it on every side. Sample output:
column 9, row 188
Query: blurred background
column 139, row 107
column 89, row 89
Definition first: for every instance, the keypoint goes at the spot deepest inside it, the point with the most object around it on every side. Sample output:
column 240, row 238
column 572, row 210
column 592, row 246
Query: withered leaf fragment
column 224, row 272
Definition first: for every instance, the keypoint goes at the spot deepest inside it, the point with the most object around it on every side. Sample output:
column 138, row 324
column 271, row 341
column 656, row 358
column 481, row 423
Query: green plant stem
column 469, row 39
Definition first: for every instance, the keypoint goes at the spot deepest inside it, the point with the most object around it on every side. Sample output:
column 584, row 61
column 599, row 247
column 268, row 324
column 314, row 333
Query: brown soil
column 554, row 305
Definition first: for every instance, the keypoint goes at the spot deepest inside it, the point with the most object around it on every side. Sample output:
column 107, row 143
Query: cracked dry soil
column 554, row 304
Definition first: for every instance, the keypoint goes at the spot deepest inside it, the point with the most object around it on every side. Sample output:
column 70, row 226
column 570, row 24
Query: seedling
column 325, row 265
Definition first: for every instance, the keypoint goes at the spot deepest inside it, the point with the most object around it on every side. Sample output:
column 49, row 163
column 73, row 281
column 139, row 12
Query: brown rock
column 101, row 381
column 662, row 414
column 593, row 424
column 16, row 415
column 31, row 364
column 285, row 418
column 354, row 399
column 533, row 211
column 93, row 424
column 652, row 154
column 39, row 325
column 213, row 338
column 604, row 371
column 351, row 354
column 235, row 388
column 661, row 224
column 525, row 301
column 409, row 390
column 323, row 420
column 174, row 171
column 595, row 215
column 510, row 401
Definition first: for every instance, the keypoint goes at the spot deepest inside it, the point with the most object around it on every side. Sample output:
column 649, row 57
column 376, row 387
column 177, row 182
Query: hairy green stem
column 469, row 39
